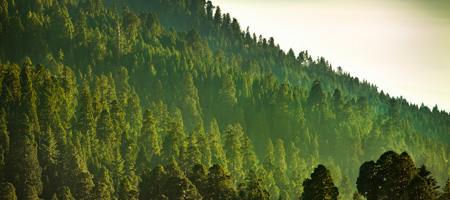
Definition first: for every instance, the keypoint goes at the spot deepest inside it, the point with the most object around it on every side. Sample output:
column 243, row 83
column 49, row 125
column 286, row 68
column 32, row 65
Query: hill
column 115, row 92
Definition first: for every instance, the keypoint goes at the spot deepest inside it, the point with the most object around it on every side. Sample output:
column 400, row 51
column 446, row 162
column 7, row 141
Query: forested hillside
column 171, row 99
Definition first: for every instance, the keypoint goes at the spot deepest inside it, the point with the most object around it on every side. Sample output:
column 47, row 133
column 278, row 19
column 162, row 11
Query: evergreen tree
column 249, row 161
column 133, row 112
column 4, row 145
column 270, row 157
column 152, row 184
column 220, row 184
column 106, row 181
column 23, row 169
column 75, row 174
column 149, row 136
column 199, row 178
column 446, row 194
column 173, row 142
column 28, row 101
column 126, row 192
column 7, row 191
column 233, row 149
column 85, row 117
column 280, row 158
column 320, row 185
column 100, row 191
column 64, row 194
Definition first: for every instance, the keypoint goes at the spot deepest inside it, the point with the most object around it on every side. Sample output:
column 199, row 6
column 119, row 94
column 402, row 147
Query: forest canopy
column 151, row 99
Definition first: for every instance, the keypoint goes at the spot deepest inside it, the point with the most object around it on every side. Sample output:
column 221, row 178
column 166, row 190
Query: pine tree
column 101, row 191
column 28, row 101
column 280, row 158
column 152, row 183
column 446, row 191
column 149, row 136
column 7, row 191
column 220, row 184
column 75, row 174
column 122, row 87
column 106, row 180
column 250, row 161
column 118, row 117
column 190, row 109
column 49, row 157
column 198, row 177
column 126, row 192
column 270, row 157
column 85, row 118
column 205, row 149
column 233, row 150
column 173, row 142
column 193, row 153
column 217, row 152
column 133, row 112
column 320, row 185
column 180, row 188
column 105, row 131
column 64, row 194
column 4, row 145
column 23, row 167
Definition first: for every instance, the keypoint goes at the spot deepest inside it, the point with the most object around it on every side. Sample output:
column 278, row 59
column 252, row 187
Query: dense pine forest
column 172, row 99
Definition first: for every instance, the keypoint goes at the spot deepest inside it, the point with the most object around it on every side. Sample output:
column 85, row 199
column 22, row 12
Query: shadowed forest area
column 172, row 99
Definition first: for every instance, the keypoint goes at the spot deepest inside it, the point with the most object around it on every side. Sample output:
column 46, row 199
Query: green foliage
column 190, row 64
column 320, row 185
column 395, row 176
column 7, row 191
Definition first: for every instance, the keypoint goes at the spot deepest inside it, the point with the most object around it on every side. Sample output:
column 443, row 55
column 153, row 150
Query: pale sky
column 402, row 46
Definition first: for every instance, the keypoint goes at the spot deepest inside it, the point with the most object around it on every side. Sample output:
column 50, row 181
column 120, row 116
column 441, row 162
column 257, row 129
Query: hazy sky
column 402, row 46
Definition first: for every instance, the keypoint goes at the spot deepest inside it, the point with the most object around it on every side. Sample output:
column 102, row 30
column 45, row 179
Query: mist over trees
column 173, row 100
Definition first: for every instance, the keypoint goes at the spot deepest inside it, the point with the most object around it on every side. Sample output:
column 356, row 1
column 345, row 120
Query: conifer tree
column 250, row 161
column 101, row 191
column 152, row 184
column 205, row 149
column 118, row 117
column 233, row 149
column 126, row 192
column 280, row 158
column 106, row 180
column 75, row 174
column 4, row 145
column 173, row 142
column 122, row 87
column 193, row 153
column 23, row 169
column 85, row 117
column 149, row 136
column 320, row 185
column 28, row 100
column 7, row 191
column 133, row 113
column 220, row 184
column 198, row 176
column 49, row 157
column 269, row 159
column 105, row 131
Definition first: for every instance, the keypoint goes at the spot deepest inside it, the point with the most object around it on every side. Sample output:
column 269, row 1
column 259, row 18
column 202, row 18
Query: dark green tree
column 219, row 184
column 23, row 169
column 149, row 136
column 126, row 192
column 64, row 194
column 7, row 191
column 320, row 185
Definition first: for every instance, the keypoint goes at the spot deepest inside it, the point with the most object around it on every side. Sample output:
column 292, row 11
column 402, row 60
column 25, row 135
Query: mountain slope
column 215, row 94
